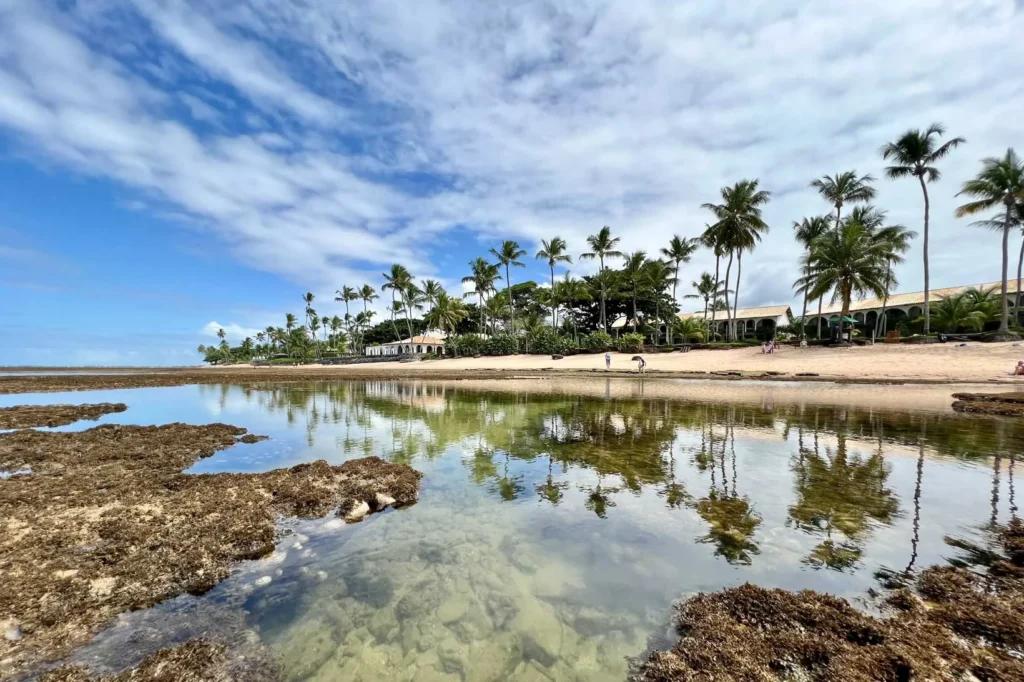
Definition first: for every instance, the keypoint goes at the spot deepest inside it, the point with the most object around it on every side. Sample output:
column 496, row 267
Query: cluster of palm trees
column 854, row 255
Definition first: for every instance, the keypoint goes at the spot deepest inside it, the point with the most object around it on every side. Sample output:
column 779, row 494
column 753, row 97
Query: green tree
column 483, row 277
column 712, row 239
column 845, row 262
column 508, row 254
column 914, row 154
column 396, row 280
column 446, row 313
column 658, row 275
column 572, row 291
column 347, row 295
column 807, row 231
column 289, row 321
column 844, row 188
column 958, row 312
column 412, row 299
column 635, row 273
column 895, row 241
column 1001, row 181
column 678, row 251
column 554, row 253
column 602, row 245
column 705, row 288
column 739, row 226
column 431, row 289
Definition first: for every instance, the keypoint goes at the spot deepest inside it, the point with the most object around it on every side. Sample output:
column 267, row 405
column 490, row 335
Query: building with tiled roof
column 417, row 345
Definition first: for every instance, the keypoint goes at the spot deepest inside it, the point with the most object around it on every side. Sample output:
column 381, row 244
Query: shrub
column 465, row 344
column 549, row 342
column 501, row 344
column 597, row 341
column 630, row 343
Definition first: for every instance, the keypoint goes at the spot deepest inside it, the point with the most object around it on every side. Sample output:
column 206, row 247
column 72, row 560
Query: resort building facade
column 417, row 345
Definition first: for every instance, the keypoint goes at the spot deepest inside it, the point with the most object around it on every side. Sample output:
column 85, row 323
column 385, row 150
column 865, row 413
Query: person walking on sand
column 607, row 361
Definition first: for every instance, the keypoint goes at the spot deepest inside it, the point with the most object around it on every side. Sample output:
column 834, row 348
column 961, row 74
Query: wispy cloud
column 526, row 121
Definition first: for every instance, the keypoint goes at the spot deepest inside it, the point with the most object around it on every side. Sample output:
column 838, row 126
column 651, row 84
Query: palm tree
column 659, row 275
column 221, row 334
column 844, row 188
column 895, row 240
column 412, row 299
column 602, row 245
column 634, row 271
column 396, row 280
column 572, row 290
column 554, row 253
column 336, row 324
column 710, row 239
column 739, row 226
column 483, row 278
column 845, row 262
column 956, row 312
column 915, row 154
column 807, row 231
column 431, row 288
column 1001, row 181
column 996, row 223
column 508, row 254
column 347, row 294
column 446, row 313
column 679, row 251
column 705, row 288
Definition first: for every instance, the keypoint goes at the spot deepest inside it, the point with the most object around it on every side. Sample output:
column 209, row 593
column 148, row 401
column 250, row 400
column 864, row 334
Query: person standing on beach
column 607, row 361
column 641, row 364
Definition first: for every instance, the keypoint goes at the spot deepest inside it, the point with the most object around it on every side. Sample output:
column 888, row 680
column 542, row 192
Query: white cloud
column 544, row 118
column 234, row 332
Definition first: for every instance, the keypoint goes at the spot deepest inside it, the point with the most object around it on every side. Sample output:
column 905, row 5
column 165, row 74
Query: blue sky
column 170, row 166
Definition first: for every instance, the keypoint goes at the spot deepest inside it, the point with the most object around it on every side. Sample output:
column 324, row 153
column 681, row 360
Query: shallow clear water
column 553, row 532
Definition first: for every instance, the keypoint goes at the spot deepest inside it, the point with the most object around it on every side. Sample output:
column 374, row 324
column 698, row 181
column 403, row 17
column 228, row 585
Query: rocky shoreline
column 103, row 521
column 953, row 623
column 1009, row 404
column 31, row 416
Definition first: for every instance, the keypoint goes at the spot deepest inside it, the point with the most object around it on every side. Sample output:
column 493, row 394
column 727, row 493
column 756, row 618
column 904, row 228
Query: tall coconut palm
column 347, row 295
column 602, row 245
column 572, row 291
column 396, row 280
column 914, row 154
column 431, row 288
column 508, row 254
column 412, row 299
column 739, row 225
column 710, row 239
column 844, row 188
column 483, row 278
column 678, row 251
column 368, row 295
column 845, row 262
column 335, row 324
column 996, row 223
column 554, row 253
column 658, row 275
column 446, row 313
column 634, row 271
column 895, row 241
column 806, row 232
column 705, row 288
column 1001, row 181
column 290, row 321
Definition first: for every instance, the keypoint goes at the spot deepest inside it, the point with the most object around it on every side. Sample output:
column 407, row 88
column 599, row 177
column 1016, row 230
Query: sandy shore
column 975, row 362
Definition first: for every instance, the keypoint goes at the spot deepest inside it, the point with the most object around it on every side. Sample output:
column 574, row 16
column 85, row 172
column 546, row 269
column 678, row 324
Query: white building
column 417, row 345
column 749, row 320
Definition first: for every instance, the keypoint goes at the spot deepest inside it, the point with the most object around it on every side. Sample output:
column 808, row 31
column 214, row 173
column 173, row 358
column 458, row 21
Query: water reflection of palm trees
column 596, row 453
column 838, row 495
column 732, row 520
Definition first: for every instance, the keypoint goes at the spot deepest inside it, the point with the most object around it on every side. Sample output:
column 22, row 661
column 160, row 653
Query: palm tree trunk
column 880, row 322
column 554, row 322
column 1016, row 304
column 634, row 307
column 927, row 308
column 1003, row 324
column 714, row 297
column 803, row 317
column 819, row 318
column 736, row 293
column 674, row 301
column 728, row 317
column 511, row 308
column 604, row 320
column 398, row 337
column 408, row 321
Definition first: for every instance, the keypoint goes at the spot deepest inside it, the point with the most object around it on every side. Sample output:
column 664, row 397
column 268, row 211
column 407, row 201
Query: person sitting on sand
column 1020, row 369
column 607, row 361
column 764, row 348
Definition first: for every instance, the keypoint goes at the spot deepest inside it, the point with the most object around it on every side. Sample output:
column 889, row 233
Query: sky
column 168, row 167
